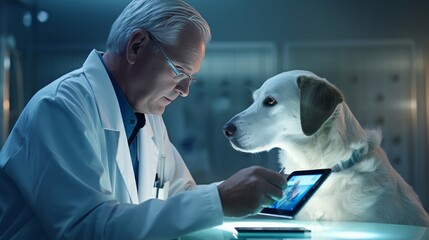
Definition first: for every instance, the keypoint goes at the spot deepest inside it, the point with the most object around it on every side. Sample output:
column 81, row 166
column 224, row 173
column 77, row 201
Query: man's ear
column 318, row 100
column 138, row 39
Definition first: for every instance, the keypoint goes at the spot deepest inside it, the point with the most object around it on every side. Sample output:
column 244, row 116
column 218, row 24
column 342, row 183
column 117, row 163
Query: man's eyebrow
column 187, row 71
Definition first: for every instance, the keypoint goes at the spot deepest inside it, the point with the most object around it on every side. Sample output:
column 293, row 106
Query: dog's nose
column 229, row 129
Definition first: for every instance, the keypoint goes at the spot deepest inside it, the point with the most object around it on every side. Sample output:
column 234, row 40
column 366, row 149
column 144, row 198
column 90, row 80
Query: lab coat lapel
column 148, row 160
column 110, row 114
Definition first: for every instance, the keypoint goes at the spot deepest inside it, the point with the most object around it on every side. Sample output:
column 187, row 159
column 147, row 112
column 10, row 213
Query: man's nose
column 183, row 87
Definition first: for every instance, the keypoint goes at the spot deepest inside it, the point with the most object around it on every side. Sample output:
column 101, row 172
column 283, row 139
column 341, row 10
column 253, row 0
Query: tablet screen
column 300, row 187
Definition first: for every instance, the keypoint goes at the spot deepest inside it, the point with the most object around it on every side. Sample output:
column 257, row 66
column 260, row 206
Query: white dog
column 306, row 117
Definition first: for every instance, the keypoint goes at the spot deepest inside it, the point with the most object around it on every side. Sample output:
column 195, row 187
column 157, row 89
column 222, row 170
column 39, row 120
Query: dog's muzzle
column 229, row 129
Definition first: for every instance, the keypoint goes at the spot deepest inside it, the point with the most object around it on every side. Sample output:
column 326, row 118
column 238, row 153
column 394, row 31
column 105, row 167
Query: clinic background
column 375, row 51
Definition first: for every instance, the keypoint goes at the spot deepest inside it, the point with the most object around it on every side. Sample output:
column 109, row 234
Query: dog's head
column 290, row 105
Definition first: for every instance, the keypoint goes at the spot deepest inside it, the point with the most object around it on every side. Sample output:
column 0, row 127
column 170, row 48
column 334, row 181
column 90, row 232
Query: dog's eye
column 269, row 101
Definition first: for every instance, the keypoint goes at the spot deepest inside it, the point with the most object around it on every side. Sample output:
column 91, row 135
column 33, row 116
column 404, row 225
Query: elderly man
column 90, row 158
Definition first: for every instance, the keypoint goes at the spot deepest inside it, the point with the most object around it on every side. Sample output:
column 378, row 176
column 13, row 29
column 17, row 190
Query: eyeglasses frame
column 170, row 63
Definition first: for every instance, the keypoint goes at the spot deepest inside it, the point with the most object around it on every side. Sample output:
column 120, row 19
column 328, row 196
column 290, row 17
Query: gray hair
column 164, row 19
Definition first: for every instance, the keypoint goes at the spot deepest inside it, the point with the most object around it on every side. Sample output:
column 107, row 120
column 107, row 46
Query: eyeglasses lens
column 181, row 77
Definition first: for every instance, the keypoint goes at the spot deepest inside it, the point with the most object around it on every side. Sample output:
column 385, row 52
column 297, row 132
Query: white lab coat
column 66, row 172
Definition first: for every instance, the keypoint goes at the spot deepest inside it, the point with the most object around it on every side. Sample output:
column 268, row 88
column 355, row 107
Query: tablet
column 301, row 185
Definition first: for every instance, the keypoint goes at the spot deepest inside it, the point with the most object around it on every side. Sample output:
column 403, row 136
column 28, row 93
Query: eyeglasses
column 180, row 76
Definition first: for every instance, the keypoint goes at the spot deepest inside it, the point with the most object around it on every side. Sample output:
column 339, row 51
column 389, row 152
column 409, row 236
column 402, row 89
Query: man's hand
column 249, row 190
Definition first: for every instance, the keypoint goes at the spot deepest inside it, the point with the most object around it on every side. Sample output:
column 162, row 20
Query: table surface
column 319, row 230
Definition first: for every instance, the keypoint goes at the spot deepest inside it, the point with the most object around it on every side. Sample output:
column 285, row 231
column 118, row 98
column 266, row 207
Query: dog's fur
column 307, row 118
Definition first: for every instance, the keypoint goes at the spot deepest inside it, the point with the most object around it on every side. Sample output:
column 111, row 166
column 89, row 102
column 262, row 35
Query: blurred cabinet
column 4, row 82
column 11, row 85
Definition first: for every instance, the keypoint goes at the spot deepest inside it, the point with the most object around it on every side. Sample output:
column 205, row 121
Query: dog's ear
column 318, row 100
